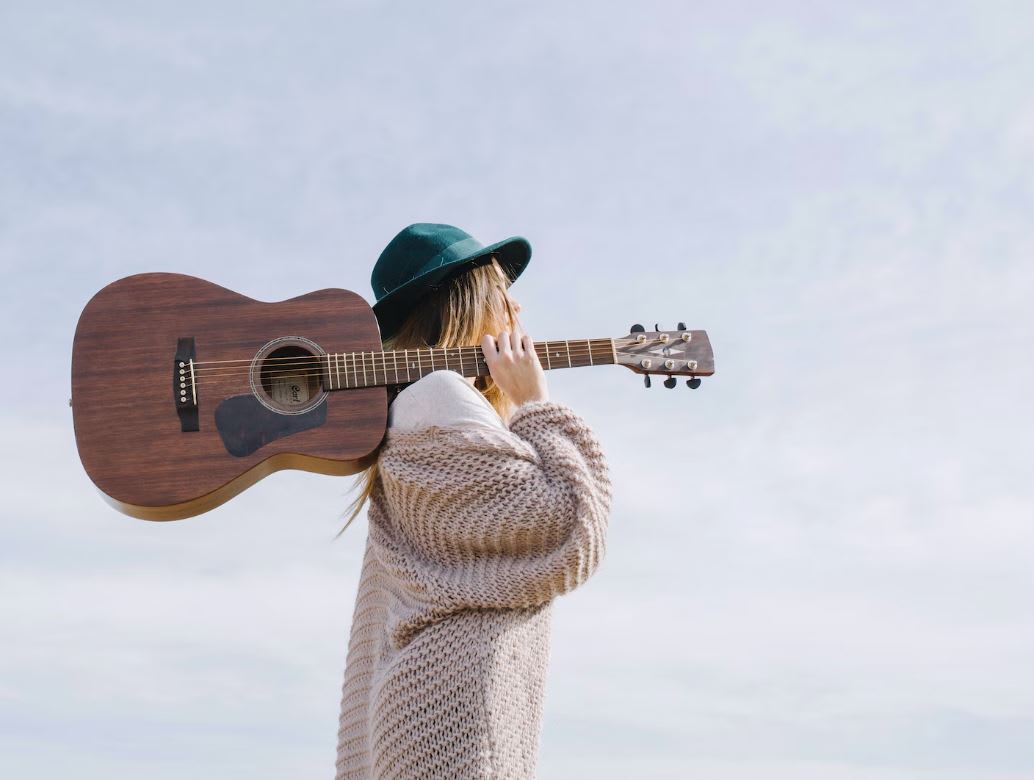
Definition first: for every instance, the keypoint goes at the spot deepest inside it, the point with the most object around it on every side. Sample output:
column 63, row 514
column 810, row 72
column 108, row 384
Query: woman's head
column 460, row 310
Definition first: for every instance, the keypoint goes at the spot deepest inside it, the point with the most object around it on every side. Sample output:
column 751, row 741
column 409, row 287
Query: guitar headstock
column 671, row 353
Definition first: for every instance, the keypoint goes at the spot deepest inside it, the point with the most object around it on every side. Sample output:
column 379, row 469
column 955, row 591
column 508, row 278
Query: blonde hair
column 456, row 313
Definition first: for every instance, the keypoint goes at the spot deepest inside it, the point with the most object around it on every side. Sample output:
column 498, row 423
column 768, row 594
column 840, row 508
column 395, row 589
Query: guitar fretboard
column 344, row 370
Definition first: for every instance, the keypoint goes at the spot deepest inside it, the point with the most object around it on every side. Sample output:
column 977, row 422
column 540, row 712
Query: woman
column 486, row 501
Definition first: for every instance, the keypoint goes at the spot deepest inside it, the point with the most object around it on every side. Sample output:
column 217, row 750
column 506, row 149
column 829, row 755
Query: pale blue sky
column 820, row 563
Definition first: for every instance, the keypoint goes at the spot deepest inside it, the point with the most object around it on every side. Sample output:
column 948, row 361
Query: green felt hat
column 423, row 256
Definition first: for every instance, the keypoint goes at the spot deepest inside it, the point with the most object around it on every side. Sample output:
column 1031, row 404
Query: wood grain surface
column 126, row 426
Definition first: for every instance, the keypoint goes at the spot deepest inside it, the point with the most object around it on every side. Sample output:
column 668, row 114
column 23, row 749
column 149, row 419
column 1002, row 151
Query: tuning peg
column 693, row 383
column 682, row 326
column 670, row 382
column 637, row 328
column 646, row 380
column 656, row 328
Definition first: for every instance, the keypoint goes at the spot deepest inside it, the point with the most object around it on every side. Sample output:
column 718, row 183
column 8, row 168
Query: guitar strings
column 354, row 371
column 577, row 343
column 376, row 362
column 452, row 354
column 314, row 367
column 359, row 358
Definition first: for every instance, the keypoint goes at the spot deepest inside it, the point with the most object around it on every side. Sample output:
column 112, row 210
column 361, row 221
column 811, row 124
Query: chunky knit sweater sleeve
column 483, row 518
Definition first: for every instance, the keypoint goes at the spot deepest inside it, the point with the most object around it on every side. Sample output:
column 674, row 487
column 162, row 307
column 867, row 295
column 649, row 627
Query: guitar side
column 141, row 450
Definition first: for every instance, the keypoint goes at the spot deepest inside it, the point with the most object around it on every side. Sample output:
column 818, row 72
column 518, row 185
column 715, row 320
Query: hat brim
column 513, row 254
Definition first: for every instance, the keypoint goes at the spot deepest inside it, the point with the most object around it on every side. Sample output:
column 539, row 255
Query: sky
column 819, row 563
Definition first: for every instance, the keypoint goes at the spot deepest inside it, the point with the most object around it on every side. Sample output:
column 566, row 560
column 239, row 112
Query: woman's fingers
column 509, row 345
column 488, row 348
column 529, row 346
column 515, row 367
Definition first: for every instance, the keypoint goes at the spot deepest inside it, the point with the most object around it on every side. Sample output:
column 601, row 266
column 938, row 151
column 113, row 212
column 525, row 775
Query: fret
column 589, row 345
column 363, row 356
column 395, row 361
column 355, row 371
column 330, row 379
column 337, row 370
column 445, row 356
column 432, row 358
column 460, row 350
column 405, row 353
column 548, row 365
column 568, row 345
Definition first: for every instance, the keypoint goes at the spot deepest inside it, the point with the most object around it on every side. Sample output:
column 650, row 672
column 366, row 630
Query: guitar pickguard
column 245, row 425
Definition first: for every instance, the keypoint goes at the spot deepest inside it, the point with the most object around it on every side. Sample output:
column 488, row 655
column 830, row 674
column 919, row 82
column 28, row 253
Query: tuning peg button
column 682, row 326
column 637, row 328
column 670, row 382
column 646, row 380
column 694, row 382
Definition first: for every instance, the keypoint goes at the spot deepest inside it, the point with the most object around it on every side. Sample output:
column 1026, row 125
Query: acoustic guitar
column 185, row 393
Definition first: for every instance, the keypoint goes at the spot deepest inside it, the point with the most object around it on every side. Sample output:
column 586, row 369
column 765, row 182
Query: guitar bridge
column 184, row 385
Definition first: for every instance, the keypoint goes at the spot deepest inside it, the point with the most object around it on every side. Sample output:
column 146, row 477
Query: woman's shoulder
column 442, row 398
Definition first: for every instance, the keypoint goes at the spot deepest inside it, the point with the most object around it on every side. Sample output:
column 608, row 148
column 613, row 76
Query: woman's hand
column 515, row 367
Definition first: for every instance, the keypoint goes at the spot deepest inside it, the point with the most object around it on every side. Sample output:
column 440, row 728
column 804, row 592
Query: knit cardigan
column 472, row 533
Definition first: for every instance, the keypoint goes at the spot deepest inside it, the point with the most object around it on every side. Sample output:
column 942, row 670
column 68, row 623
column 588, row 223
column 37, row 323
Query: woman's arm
column 507, row 518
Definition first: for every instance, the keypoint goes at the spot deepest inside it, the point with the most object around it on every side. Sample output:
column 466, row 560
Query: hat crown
column 417, row 249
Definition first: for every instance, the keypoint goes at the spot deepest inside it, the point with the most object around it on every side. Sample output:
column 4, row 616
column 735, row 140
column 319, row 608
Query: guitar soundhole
column 286, row 376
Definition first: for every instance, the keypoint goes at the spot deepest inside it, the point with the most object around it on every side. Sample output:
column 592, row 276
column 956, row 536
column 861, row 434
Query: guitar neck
column 347, row 370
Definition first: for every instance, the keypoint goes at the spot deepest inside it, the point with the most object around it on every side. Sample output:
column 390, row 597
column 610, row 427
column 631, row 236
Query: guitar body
column 164, row 439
